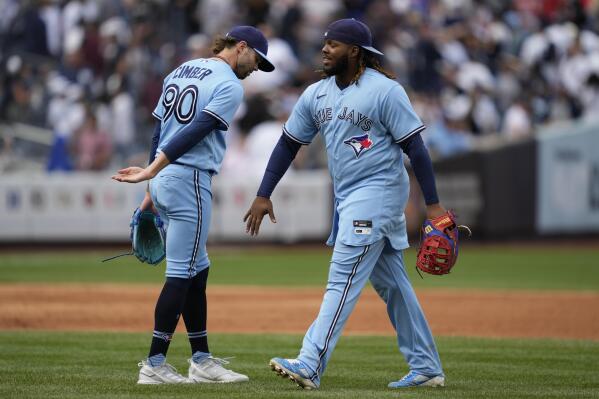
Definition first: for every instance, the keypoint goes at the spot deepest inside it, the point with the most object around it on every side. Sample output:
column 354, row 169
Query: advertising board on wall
column 86, row 207
column 568, row 180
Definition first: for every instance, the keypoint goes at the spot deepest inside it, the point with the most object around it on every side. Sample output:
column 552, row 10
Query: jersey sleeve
column 398, row 116
column 158, row 112
column 300, row 126
column 224, row 103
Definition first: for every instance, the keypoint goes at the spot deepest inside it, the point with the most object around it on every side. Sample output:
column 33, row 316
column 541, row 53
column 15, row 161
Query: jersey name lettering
column 191, row 72
column 356, row 118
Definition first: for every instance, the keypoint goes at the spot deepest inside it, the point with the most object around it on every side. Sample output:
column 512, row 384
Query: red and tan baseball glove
column 439, row 244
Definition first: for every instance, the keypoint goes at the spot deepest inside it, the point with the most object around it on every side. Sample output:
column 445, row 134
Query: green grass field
column 479, row 267
column 100, row 365
column 35, row 364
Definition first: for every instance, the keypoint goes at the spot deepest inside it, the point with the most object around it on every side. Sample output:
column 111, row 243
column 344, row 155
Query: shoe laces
column 221, row 361
column 408, row 377
column 166, row 368
column 170, row 369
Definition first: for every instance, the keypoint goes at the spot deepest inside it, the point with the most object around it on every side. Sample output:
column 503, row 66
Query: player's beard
column 243, row 71
column 244, row 68
column 339, row 67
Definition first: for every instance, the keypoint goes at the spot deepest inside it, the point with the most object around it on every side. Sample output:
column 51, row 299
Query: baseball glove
column 439, row 245
column 148, row 238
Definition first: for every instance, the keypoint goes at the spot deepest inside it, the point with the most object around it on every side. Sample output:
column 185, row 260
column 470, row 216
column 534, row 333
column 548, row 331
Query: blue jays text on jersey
column 361, row 126
column 356, row 118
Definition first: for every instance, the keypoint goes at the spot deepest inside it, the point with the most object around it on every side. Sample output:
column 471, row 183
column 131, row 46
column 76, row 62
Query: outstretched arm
column 135, row 174
column 280, row 160
column 415, row 149
column 188, row 137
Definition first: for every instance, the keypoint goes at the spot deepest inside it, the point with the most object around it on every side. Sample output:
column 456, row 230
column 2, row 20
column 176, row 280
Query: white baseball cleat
column 211, row 370
column 165, row 374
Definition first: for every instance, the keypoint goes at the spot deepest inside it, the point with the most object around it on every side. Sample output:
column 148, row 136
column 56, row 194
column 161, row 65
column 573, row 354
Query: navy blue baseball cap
column 256, row 40
column 351, row 31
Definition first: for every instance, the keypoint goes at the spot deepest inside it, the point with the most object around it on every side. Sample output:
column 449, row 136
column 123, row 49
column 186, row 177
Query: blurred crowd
column 90, row 72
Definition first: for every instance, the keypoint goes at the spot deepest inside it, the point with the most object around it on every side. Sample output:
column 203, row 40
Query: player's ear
column 354, row 52
column 241, row 46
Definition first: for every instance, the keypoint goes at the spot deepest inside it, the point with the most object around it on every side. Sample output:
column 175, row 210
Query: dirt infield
column 242, row 309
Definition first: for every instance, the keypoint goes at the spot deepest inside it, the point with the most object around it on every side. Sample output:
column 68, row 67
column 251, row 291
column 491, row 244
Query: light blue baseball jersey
column 361, row 126
column 200, row 85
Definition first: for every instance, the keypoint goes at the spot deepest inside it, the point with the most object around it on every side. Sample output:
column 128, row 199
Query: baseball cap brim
column 264, row 64
column 372, row 50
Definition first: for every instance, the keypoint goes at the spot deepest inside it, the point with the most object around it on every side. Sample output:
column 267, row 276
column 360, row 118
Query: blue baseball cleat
column 295, row 370
column 413, row 379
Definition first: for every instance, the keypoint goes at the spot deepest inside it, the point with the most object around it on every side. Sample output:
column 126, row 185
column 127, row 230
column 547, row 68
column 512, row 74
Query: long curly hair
column 366, row 59
column 222, row 42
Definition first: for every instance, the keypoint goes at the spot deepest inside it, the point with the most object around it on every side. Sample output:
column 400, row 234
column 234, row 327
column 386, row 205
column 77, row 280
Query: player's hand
column 253, row 218
column 148, row 204
column 133, row 174
column 434, row 211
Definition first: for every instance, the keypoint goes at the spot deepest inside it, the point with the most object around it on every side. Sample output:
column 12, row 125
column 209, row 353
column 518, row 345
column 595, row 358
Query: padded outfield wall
column 543, row 186
column 89, row 207
column 568, row 179
column 546, row 186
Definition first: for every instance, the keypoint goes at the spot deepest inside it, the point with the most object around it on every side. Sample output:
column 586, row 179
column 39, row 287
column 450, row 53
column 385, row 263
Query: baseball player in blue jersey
column 197, row 104
column 367, row 123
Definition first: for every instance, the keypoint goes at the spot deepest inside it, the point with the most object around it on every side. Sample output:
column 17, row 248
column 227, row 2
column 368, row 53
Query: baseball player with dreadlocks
column 198, row 101
column 366, row 121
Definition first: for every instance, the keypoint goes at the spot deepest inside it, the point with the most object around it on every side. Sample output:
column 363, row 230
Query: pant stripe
column 199, row 222
column 338, row 312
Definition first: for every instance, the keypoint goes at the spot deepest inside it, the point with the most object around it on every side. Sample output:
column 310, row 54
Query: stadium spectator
column 122, row 118
column 519, row 64
column 517, row 122
column 282, row 57
column 449, row 133
column 92, row 147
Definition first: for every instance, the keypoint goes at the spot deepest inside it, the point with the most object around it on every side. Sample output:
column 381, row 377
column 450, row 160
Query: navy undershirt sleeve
column 155, row 140
column 189, row 136
column 415, row 149
column 280, row 160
